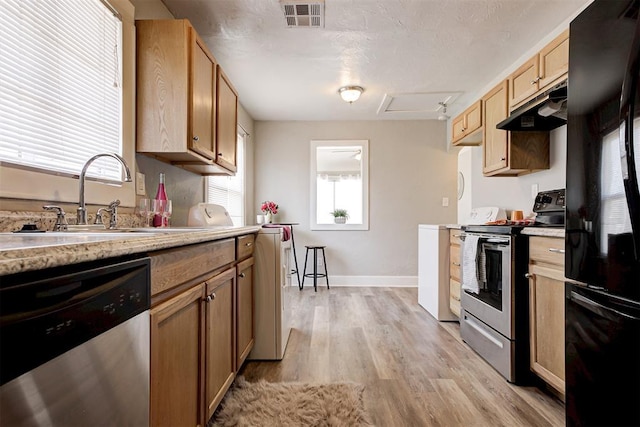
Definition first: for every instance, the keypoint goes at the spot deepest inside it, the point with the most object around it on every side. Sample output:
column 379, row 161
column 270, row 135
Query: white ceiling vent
column 303, row 13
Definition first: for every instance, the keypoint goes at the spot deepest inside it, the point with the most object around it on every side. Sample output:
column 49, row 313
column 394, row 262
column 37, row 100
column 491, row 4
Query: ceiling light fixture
column 350, row 93
column 443, row 115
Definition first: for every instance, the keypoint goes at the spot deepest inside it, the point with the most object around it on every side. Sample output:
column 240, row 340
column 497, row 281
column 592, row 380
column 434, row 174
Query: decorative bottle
column 161, row 194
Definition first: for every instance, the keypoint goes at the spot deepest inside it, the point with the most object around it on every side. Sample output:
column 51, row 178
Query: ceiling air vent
column 303, row 14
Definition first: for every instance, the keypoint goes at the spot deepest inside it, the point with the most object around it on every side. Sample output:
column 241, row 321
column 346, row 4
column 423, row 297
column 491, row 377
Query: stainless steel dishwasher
column 74, row 345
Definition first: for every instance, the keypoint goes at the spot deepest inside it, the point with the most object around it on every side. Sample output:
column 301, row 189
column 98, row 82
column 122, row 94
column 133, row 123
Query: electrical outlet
column 140, row 187
column 445, row 201
column 534, row 190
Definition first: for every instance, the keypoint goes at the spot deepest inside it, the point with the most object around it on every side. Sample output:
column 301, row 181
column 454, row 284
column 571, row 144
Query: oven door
column 493, row 304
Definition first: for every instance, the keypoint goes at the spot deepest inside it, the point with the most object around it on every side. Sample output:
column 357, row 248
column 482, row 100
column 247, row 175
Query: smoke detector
column 303, row 13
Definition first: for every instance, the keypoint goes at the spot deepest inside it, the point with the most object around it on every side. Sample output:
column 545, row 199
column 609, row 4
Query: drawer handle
column 196, row 138
column 211, row 297
column 528, row 275
column 248, row 244
column 241, row 275
column 457, row 235
column 456, row 264
column 556, row 251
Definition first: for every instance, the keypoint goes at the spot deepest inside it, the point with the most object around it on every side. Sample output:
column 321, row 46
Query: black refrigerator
column 602, row 243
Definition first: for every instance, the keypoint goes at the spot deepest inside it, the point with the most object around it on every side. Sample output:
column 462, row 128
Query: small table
column 293, row 244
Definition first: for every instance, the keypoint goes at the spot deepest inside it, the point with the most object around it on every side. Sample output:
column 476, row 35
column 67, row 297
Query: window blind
column 614, row 212
column 60, row 74
column 228, row 191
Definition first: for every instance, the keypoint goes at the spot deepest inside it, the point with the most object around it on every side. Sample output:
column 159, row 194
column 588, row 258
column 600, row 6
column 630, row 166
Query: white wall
column 410, row 171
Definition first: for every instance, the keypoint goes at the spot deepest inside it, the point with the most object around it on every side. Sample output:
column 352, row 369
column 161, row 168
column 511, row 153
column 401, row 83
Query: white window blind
column 60, row 74
column 614, row 212
column 228, row 191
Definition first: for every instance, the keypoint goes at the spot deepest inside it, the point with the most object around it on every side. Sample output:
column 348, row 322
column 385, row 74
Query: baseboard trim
column 367, row 281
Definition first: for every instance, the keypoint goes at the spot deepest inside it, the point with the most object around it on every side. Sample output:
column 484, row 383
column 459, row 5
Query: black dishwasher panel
column 45, row 313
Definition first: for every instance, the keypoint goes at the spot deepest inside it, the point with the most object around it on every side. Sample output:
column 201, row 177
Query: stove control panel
column 549, row 201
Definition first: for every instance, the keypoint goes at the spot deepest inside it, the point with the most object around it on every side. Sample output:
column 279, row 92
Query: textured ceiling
column 389, row 47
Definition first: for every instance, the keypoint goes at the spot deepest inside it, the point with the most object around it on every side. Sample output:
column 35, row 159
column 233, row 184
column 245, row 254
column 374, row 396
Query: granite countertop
column 21, row 252
column 544, row 231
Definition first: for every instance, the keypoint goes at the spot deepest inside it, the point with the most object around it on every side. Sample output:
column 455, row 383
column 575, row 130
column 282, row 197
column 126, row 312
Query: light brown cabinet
column 219, row 354
column 454, row 271
column 496, row 141
column 176, row 329
column 244, row 307
column 546, row 310
column 226, row 122
column 177, row 98
column 466, row 128
column 546, row 68
column 509, row 153
column 201, row 327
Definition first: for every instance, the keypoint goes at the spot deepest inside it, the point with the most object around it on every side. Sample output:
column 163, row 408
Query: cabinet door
column 496, row 141
column 523, row 82
column 219, row 338
column 226, row 123
column 546, row 317
column 244, row 305
column 176, row 333
column 554, row 60
column 457, row 128
column 202, row 98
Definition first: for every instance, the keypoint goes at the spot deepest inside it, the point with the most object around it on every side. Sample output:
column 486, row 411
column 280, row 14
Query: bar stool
column 315, row 273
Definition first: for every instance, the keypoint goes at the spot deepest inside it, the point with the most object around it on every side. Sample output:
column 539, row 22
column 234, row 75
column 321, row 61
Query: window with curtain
column 60, row 79
column 228, row 191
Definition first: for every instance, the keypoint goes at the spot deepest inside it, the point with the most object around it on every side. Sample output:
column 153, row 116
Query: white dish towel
column 469, row 264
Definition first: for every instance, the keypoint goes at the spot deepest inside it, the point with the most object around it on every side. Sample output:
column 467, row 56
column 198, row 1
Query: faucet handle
column 113, row 209
column 61, row 221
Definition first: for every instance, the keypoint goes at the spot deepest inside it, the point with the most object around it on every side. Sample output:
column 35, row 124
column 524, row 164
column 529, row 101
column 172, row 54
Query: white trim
column 365, row 281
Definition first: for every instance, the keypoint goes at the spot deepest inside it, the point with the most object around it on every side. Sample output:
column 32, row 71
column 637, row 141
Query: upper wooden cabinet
column 227, row 122
column 509, row 153
column 177, row 99
column 466, row 128
column 547, row 67
column 496, row 141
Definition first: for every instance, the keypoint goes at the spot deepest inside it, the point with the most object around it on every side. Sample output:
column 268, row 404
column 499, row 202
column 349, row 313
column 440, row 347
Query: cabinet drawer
column 547, row 250
column 454, row 262
column 244, row 246
column 173, row 267
column 454, row 290
column 454, row 236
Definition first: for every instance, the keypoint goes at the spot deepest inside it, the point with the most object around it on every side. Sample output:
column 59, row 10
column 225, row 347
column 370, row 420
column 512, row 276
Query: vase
column 268, row 218
column 340, row 220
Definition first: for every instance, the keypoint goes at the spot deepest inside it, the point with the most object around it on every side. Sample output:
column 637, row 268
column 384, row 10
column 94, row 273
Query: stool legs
column 315, row 273
column 326, row 275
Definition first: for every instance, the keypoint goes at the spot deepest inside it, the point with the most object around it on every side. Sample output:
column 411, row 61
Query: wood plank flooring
column 416, row 370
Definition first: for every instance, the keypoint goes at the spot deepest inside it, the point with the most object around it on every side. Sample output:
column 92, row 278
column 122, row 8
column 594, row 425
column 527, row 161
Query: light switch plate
column 140, row 187
column 445, row 201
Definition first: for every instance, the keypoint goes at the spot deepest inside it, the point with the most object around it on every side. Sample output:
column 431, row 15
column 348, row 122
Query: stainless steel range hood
column 545, row 112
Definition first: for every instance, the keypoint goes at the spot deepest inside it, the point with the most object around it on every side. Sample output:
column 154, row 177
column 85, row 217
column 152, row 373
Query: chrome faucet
column 82, row 209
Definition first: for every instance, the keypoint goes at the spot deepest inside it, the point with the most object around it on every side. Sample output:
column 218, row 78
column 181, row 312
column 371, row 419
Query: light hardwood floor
column 416, row 370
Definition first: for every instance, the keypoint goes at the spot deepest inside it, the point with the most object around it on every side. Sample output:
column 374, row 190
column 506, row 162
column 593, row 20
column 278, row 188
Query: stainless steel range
column 494, row 318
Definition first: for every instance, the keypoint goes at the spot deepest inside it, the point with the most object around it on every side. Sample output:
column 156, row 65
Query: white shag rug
column 291, row 404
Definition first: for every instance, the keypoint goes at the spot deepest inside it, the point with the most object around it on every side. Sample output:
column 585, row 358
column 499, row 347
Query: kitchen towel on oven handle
column 470, row 264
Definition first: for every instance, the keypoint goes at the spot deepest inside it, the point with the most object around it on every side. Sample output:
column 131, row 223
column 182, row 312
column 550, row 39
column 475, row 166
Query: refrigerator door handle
column 627, row 144
column 599, row 309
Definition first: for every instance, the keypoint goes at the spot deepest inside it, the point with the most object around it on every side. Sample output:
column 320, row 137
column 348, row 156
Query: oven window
column 490, row 278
